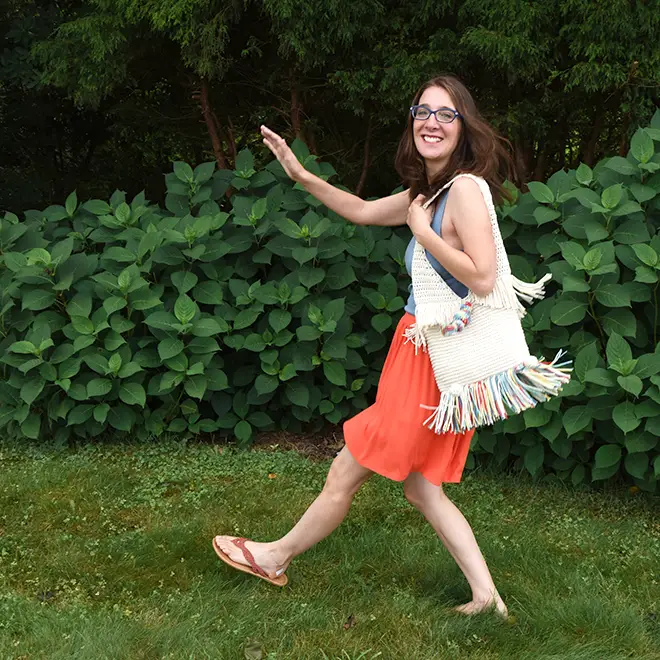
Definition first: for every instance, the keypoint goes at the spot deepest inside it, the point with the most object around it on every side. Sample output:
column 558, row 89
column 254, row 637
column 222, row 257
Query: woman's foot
column 477, row 606
column 266, row 555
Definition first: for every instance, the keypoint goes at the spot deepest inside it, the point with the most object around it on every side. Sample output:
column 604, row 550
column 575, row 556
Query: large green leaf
column 245, row 318
column 585, row 360
column 121, row 418
column 279, row 319
column 599, row 376
column 611, row 196
column 636, row 464
column 534, row 457
column 568, row 311
column 632, row 384
column 80, row 414
column 31, row 426
column 631, row 232
column 101, row 412
column 646, row 254
column 184, row 281
column 540, row 192
column 335, row 373
column 620, row 321
column 618, row 351
column 266, row 384
column 133, row 394
column 573, row 253
column 32, row 389
column 620, row 165
column 207, row 327
column 607, row 456
column 99, row 387
column 297, row 393
column 24, row 348
column 169, row 347
column 195, row 386
column 94, row 361
column 613, row 295
column 639, row 442
column 37, row 299
column 208, row 293
column 536, row 417
column 576, row 419
column 185, row 309
column 625, row 417
column 647, row 365
column 641, row 146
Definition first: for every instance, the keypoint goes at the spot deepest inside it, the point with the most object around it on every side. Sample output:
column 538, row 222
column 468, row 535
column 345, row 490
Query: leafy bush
column 263, row 309
column 194, row 318
column 597, row 232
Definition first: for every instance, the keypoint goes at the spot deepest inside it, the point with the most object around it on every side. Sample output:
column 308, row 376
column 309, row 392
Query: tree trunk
column 589, row 152
column 623, row 139
column 539, row 167
column 366, row 161
column 230, row 139
column 310, row 139
column 212, row 125
column 523, row 157
column 296, row 108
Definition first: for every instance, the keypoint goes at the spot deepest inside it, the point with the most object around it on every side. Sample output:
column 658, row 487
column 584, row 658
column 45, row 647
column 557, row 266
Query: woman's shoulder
column 470, row 197
column 468, row 188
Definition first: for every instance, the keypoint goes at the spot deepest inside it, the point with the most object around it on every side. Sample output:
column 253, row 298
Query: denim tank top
column 436, row 224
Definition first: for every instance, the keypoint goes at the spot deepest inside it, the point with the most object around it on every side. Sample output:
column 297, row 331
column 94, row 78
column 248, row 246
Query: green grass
column 105, row 552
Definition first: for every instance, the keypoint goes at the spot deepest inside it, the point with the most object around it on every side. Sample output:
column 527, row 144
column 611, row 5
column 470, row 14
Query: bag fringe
column 414, row 335
column 509, row 291
column 464, row 407
column 528, row 291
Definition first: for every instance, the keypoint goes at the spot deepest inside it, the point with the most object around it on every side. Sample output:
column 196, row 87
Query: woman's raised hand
column 283, row 153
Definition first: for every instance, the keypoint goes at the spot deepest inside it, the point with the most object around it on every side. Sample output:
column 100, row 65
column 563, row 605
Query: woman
column 444, row 136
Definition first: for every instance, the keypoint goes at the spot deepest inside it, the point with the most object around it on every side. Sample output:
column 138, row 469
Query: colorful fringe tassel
column 510, row 392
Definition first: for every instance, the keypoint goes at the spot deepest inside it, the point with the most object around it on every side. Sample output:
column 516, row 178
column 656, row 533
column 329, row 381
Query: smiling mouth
column 431, row 139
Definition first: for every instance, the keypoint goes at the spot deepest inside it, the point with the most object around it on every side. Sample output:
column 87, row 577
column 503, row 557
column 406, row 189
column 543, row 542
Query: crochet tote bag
column 476, row 344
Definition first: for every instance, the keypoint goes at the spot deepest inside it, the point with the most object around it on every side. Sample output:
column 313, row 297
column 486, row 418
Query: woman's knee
column 421, row 493
column 413, row 495
column 344, row 478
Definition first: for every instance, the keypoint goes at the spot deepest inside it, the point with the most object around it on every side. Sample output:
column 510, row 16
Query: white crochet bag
column 476, row 344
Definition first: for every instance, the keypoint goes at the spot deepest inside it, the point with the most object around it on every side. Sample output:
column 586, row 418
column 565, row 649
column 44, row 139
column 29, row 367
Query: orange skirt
column 390, row 437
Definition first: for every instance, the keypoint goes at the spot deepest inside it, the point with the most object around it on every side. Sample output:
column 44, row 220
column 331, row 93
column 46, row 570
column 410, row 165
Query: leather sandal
column 253, row 568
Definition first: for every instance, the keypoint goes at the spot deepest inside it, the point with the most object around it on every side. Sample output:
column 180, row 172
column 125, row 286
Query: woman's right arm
column 387, row 211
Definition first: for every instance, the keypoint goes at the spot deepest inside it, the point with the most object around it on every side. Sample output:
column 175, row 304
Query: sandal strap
column 240, row 543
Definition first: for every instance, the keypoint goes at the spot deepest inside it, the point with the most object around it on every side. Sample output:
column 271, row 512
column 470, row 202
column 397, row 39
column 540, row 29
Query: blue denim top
column 436, row 224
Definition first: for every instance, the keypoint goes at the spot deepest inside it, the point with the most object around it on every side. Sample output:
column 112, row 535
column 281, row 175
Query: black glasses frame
column 414, row 108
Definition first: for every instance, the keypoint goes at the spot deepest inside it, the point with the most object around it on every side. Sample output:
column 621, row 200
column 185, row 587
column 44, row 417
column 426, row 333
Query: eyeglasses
column 443, row 115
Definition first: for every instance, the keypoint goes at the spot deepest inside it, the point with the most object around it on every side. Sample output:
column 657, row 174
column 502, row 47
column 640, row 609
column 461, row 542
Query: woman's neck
column 433, row 168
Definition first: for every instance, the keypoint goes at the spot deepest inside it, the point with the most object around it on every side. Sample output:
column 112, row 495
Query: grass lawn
column 105, row 552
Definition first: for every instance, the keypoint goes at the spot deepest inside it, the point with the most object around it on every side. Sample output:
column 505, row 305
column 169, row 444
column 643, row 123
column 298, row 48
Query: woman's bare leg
column 457, row 536
column 323, row 516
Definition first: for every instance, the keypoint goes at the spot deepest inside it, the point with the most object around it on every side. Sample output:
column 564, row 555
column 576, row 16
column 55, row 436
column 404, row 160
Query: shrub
column 597, row 232
column 265, row 310
column 207, row 316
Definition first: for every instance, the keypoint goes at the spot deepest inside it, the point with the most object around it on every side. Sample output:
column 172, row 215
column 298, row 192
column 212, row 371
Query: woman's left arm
column 476, row 265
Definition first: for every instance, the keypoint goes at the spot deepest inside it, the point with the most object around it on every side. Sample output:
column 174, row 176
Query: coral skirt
column 390, row 437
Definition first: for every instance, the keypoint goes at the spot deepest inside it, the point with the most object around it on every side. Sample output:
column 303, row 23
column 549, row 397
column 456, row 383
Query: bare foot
column 477, row 606
column 266, row 555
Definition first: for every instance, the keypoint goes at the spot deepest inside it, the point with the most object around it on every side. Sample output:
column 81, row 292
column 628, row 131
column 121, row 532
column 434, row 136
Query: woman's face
column 435, row 141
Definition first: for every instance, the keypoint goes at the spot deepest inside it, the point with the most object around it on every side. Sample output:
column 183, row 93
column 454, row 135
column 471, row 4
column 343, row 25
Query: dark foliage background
column 96, row 94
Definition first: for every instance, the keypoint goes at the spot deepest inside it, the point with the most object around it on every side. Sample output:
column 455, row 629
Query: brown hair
column 480, row 150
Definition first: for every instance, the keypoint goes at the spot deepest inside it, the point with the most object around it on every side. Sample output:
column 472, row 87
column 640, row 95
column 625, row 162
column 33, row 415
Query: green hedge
column 262, row 309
